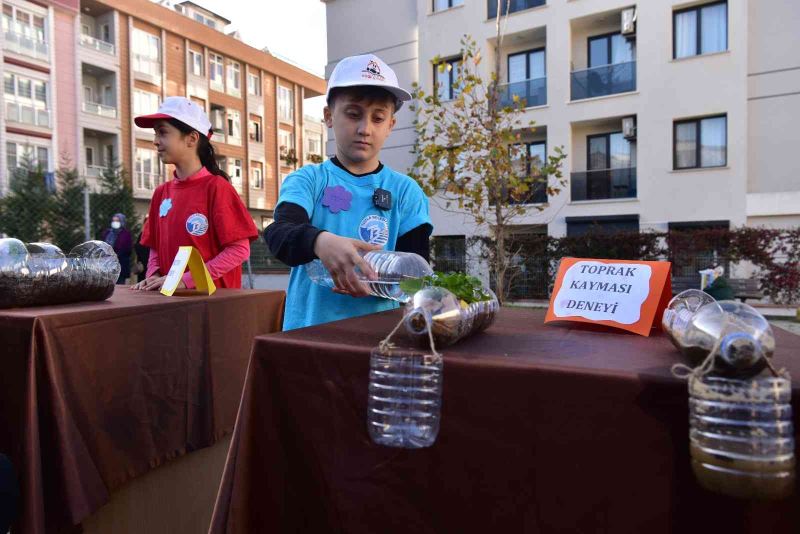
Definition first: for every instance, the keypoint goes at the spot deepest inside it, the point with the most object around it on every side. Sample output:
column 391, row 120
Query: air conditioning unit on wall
column 629, row 22
column 629, row 128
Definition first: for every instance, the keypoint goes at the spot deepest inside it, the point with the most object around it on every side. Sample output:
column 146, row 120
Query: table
column 93, row 395
column 545, row 428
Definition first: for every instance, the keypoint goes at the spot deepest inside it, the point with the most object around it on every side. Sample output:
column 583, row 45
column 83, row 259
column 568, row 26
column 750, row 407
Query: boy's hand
column 341, row 256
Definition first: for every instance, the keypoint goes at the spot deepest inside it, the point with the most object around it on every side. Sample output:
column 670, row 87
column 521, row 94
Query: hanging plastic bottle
column 740, row 417
column 697, row 324
column 439, row 310
column 391, row 268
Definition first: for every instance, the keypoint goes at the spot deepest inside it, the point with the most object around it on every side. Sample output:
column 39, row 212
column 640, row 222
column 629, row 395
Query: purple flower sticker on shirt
column 337, row 198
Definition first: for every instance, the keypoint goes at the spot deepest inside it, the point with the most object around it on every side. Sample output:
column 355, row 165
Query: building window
column 144, row 103
column 285, row 104
column 701, row 143
column 234, row 78
column 196, row 63
column 610, row 49
column 258, row 176
column 25, row 100
column 255, row 130
column 603, row 224
column 700, row 30
column 18, row 155
column 89, row 156
column 449, row 253
column 235, row 172
column 25, row 31
column 217, row 118
column 254, row 84
column 516, row 5
column 285, row 142
column 609, row 151
column 234, row 127
column 441, row 5
column 445, row 77
column 146, row 53
column 147, row 169
column 215, row 70
column 314, row 144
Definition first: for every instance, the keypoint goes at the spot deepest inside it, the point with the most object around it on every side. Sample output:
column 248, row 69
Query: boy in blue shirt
column 340, row 209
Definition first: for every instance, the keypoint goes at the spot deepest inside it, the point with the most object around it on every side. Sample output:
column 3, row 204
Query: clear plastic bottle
column 404, row 399
column 695, row 323
column 741, row 435
column 391, row 268
column 13, row 267
column 449, row 320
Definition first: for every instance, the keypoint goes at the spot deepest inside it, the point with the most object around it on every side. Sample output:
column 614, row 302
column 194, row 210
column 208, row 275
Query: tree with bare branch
column 469, row 153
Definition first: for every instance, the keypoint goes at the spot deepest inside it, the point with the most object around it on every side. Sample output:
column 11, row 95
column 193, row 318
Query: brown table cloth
column 556, row 428
column 94, row 394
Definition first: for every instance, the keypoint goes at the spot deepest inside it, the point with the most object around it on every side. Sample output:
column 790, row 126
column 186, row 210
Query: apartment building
column 38, row 122
column 673, row 114
column 81, row 71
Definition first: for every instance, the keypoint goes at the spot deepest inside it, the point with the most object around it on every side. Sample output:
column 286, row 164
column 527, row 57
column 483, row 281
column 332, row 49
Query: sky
column 294, row 29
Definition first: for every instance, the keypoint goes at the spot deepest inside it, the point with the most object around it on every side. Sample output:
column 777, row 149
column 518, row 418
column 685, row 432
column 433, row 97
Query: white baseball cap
column 368, row 69
column 182, row 109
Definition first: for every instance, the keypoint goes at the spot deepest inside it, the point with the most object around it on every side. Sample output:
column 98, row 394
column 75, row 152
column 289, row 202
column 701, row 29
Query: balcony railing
column 27, row 114
column 147, row 181
column 531, row 92
column 604, row 81
column 96, row 108
column 24, row 44
column 98, row 44
column 95, row 171
column 147, row 66
column 516, row 5
column 603, row 184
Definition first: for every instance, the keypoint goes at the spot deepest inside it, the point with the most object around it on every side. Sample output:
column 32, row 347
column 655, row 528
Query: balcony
column 95, row 171
column 26, row 45
column 603, row 81
column 531, row 93
column 603, row 184
column 27, row 114
column 99, row 109
column 97, row 44
column 516, row 5
column 147, row 68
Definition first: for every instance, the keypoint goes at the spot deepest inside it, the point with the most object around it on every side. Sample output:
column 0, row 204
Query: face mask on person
column 116, row 225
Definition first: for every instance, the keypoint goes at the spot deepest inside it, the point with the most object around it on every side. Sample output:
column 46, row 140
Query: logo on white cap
column 372, row 71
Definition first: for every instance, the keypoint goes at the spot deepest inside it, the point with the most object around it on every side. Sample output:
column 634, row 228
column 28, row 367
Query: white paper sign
column 604, row 292
column 177, row 269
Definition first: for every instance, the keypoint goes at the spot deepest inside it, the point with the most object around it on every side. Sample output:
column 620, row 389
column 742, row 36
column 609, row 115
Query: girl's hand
column 341, row 256
column 154, row 283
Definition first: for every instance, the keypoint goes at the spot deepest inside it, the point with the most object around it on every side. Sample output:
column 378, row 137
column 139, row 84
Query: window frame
column 233, row 77
column 257, row 85
column 216, row 60
column 259, row 133
column 699, row 33
column 285, row 96
column 233, row 122
column 450, row 5
column 699, row 142
column 527, row 63
column 453, row 94
column 194, row 56
column 609, row 49
column 256, row 169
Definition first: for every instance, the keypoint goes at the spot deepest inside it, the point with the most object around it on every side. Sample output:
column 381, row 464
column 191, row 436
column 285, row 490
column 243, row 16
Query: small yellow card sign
column 190, row 256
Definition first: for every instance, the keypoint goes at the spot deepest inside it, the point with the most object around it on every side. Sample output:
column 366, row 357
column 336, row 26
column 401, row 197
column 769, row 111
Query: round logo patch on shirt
column 197, row 224
column 374, row 229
